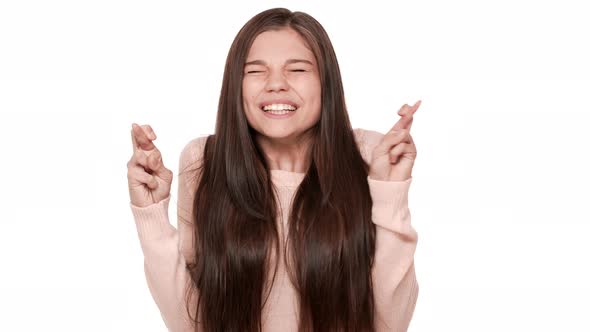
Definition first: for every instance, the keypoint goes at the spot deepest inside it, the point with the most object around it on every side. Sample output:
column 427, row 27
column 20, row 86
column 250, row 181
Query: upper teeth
column 277, row 107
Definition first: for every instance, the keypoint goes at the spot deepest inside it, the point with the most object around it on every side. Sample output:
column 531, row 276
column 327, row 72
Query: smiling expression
column 280, row 69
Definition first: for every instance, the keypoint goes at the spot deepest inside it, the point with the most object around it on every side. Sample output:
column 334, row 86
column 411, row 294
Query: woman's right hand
column 149, row 180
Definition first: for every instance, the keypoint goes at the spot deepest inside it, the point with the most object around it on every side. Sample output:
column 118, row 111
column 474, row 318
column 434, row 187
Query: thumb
column 159, row 169
column 153, row 183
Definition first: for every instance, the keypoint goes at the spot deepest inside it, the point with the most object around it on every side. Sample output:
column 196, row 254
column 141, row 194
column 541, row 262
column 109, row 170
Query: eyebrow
column 288, row 62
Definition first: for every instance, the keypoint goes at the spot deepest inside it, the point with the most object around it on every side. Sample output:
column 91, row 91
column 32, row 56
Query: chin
column 275, row 132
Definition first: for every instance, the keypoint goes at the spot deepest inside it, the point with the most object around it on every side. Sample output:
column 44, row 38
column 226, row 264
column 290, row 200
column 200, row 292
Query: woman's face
column 281, row 73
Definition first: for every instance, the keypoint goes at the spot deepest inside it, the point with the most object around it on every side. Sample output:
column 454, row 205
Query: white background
column 501, row 186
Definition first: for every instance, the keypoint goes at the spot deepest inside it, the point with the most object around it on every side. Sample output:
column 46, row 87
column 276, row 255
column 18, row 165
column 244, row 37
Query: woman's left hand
column 393, row 158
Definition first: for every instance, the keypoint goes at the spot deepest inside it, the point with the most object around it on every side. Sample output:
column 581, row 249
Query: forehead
column 279, row 44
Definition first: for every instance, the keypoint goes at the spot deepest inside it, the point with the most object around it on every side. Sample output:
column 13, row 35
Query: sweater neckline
column 286, row 178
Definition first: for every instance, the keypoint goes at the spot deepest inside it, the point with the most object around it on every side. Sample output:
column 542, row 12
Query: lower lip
column 279, row 116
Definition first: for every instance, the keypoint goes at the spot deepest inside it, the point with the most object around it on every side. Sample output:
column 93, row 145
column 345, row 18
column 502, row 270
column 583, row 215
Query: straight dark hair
column 331, row 243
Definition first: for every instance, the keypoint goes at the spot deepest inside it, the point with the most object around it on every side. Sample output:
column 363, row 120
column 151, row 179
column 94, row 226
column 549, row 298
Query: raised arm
column 167, row 250
column 394, row 279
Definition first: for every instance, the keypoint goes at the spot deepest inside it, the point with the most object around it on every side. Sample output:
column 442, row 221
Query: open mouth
column 279, row 109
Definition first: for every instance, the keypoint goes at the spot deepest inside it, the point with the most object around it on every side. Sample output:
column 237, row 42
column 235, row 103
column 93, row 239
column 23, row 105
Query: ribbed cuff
column 152, row 221
column 411, row 306
column 389, row 191
column 390, row 205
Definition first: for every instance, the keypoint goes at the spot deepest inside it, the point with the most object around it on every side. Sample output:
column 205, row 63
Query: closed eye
column 299, row 70
column 254, row 71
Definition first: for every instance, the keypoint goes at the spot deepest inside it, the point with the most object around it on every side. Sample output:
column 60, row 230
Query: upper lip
column 278, row 101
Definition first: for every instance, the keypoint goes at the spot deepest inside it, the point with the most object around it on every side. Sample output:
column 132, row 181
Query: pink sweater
column 167, row 249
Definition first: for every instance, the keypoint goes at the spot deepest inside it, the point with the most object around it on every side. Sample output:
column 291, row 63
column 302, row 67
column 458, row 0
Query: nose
column 276, row 81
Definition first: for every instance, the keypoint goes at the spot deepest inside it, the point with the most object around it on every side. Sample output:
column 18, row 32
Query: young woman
column 288, row 219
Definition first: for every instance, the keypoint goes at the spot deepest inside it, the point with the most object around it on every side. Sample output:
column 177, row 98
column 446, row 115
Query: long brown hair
column 331, row 239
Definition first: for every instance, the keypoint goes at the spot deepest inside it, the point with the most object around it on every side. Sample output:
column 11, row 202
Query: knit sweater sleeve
column 167, row 250
column 394, row 279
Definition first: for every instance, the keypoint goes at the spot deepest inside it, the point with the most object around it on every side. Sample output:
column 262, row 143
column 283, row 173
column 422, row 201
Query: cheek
column 310, row 89
column 313, row 93
column 247, row 95
column 249, row 92
column 249, row 109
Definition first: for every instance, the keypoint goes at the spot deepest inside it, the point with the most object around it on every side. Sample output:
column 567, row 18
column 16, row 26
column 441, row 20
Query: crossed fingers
column 407, row 117
column 140, row 138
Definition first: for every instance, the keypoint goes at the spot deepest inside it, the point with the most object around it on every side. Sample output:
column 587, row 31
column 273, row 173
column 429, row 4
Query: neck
column 287, row 153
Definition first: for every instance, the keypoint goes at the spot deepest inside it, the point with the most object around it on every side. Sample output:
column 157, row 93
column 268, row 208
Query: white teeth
column 279, row 107
column 278, row 112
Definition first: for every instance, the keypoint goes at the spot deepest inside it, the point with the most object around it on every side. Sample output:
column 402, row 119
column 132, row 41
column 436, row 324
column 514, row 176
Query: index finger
column 133, row 141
